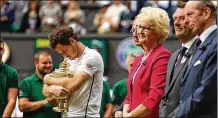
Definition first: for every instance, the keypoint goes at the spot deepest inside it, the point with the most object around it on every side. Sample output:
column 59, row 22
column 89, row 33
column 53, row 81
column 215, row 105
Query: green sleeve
column 24, row 89
column 13, row 79
column 115, row 95
column 107, row 93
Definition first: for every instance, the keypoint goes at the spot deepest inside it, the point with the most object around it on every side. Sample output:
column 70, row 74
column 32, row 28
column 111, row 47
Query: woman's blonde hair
column 158, row 18
column 75, row 3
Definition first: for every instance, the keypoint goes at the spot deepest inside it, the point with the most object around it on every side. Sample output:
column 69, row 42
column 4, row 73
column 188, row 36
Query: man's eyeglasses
column 141, row 28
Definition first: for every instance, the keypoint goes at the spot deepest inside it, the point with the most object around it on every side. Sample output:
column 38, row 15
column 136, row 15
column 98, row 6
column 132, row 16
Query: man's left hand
column 59, row 91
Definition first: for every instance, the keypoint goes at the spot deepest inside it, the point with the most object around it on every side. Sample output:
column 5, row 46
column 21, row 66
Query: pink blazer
column 149, row 83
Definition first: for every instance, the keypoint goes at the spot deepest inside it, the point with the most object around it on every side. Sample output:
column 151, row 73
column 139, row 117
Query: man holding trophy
column 84, row 80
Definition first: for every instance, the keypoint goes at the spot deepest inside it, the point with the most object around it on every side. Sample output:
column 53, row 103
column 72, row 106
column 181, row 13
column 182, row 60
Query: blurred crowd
column 43, row 16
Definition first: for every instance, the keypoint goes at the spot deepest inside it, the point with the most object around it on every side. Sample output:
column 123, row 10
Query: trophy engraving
column 61, row 72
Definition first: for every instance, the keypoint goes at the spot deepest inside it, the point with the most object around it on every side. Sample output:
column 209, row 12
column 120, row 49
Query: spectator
column 146, row 81
column 9, row 86
column 31, row 21
column 136, row 6
column 198, row 93
column 106, row 106
column 7, row 16
column 32, row 102
column 75, row 17
column 113, row 12
column 178, row 62
column 126, row 20
column 120, row 90
column 20, row 7
column 158, row 3
column 99, row 19
column 50, row 14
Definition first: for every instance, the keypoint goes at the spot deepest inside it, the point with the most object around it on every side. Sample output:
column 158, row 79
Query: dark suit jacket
column 198, row 90
column 25, row 22
column 150, row 80
column 170, row 100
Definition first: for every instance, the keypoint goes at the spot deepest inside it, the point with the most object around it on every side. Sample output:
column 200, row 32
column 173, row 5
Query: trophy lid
column 63, row 68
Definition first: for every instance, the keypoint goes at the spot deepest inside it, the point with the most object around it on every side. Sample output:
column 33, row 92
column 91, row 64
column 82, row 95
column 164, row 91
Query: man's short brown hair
column 36, row 56
column 61, row 35
column 207, row 3
column 1, row 41
column 181, row 4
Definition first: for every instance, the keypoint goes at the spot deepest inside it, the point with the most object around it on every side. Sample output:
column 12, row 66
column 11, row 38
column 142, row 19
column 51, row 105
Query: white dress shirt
column 188, row 46
column 207, row 32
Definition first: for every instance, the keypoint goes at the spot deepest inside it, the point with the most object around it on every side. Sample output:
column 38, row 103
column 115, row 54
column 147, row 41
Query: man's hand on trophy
column 59, row 91
column 52, row 100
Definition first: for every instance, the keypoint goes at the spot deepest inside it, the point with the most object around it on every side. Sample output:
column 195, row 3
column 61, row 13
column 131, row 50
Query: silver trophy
column 61, row 72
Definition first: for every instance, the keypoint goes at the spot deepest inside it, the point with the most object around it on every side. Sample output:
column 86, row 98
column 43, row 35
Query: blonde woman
column 74, row 14
column 146, row 80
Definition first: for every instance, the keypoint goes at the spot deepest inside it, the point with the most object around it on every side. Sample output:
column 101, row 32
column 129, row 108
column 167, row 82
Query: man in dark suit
column 178, row 62
column 198, row 87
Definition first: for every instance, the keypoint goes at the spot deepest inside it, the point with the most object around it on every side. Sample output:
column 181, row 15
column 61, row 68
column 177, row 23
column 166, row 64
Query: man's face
column 179, row 23
column 44, row 65
column 68, row 51
column 1, row 50
column 194, row 17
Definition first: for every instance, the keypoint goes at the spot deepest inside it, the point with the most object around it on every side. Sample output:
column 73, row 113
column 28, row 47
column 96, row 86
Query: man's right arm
column 26, row 106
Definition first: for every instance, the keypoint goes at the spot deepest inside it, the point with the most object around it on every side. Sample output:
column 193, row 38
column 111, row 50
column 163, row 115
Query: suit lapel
column 199, row 52
column 171, row 67
column 190, row 52
column 177, row 74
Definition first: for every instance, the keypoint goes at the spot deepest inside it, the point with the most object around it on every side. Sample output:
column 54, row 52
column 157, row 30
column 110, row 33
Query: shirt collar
column 36, row 78
column 207, row 32
column 189, row 43
column 1, row 65
column 85, row 51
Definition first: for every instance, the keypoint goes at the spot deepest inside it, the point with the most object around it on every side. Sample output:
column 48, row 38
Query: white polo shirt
column 81, row 102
